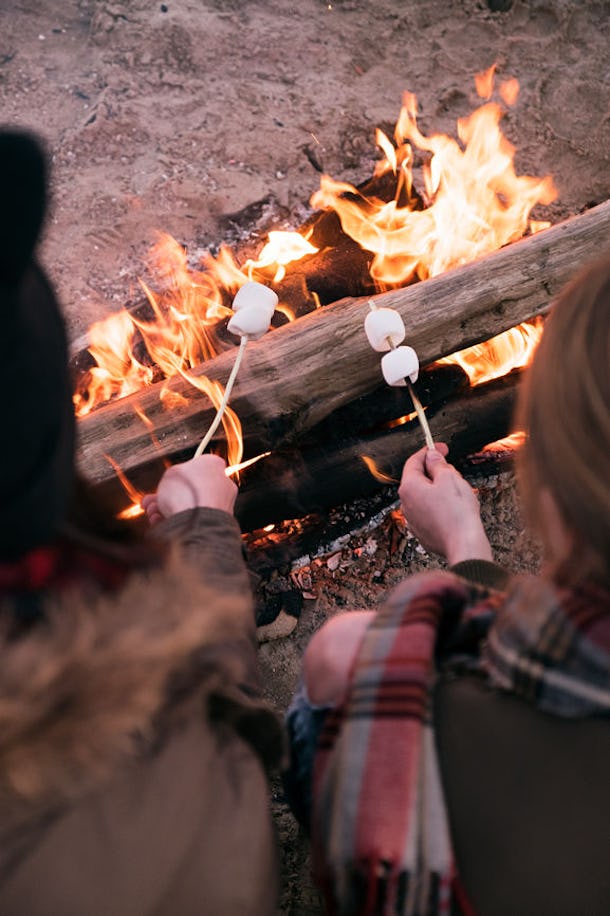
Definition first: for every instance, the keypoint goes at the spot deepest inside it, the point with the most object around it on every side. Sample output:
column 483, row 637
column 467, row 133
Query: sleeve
column 210, row 544
column 211, row 541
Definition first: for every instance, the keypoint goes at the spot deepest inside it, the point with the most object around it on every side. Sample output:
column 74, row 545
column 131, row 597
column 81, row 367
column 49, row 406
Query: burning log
column 340, row 267
column 302, row 372
column 290, row 483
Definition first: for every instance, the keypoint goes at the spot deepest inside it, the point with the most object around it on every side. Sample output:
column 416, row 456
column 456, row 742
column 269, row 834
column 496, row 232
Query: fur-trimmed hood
column 103, row 679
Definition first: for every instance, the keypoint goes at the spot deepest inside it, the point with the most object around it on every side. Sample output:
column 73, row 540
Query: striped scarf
column 381, row 843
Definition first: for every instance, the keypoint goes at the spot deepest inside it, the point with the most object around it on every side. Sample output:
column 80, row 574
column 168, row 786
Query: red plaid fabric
column 380, row 833
column 52, row 568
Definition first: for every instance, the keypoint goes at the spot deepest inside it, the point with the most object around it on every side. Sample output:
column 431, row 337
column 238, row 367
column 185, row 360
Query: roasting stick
column 421, row 413
column 253, row 308
column 225, row 399
column 421, row 416
column 400, row 366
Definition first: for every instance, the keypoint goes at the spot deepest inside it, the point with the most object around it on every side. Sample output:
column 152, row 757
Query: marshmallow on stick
column 253, row 308
column 400, row 366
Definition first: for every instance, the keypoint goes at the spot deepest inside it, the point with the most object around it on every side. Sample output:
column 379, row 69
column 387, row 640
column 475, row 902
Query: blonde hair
column 565, row 410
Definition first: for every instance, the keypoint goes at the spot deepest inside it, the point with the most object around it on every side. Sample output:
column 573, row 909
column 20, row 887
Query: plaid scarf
column 381, row 843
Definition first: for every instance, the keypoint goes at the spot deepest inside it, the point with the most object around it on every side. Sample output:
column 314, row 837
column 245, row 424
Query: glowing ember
column 402, row 420
column 508, row 443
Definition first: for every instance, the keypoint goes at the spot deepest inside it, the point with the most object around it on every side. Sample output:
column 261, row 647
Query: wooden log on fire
column 299, row 374
column 290, row 483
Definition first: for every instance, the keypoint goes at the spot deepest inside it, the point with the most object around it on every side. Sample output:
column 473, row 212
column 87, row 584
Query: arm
column 442, row 510
column 194, row 505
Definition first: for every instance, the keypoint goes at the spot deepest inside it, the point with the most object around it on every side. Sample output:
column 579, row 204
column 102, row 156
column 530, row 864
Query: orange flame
column 484, row 82
column 511, row 350
column 509, row 91
column 282, row 248
column 135, row 495
column 117, row 373
column 477, row 203
column 186, row 311
column 377, row 474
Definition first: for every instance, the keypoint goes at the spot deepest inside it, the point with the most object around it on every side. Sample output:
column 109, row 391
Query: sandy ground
column 178, row 115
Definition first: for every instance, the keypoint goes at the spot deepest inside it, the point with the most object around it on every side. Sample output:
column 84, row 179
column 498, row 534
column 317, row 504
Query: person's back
column 114, row 799
column 528, row 798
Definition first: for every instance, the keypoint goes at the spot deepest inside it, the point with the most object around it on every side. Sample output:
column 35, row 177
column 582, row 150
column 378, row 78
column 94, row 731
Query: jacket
column 134, row 744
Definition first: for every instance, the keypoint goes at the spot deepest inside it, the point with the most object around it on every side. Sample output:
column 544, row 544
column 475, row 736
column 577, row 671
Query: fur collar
column 85, row 691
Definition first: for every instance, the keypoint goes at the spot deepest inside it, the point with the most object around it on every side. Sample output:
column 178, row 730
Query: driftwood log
column 299, row 374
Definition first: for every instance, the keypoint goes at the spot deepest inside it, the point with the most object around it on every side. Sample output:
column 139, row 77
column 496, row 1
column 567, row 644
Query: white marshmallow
column 382, row 326
column 255, row 295
column 251, row 321
column 399, row 364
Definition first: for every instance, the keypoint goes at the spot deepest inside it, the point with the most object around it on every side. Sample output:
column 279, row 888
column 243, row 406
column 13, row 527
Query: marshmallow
column 382, row 326
column 251, row 321
column 399, row 364
column 255, row 295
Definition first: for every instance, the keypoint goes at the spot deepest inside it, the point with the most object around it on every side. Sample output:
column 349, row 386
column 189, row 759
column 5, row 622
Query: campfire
column 310, row 422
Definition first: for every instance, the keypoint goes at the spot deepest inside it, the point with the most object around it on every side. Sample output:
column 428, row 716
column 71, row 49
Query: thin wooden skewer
column 421, row 415
column 225, row 398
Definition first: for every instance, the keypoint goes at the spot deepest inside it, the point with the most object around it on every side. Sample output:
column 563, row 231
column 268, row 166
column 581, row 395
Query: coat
column 134, row 744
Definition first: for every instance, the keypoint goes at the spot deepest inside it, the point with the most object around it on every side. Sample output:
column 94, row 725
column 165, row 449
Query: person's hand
column 199, row 482
column 441, row 508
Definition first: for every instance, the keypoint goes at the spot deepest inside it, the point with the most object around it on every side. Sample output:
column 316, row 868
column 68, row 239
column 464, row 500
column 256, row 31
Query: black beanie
column 37, row 416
